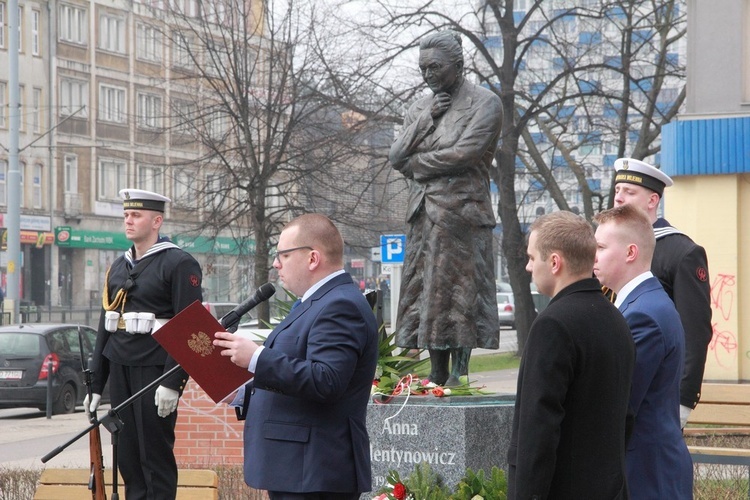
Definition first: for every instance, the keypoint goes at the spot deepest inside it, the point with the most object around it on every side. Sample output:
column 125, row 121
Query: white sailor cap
column 143, row 200
column 641, row 173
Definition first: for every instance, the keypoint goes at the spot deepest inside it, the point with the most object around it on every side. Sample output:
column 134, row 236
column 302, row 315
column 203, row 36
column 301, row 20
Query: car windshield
column 19, row 344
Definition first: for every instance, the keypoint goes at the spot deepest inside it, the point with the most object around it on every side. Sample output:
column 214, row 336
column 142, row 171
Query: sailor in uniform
column 150, row 283
column 681, row 266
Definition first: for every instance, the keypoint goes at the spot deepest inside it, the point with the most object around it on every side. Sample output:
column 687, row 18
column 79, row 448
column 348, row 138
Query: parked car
column 506, row 306
column 506, row 309
column 26, row 351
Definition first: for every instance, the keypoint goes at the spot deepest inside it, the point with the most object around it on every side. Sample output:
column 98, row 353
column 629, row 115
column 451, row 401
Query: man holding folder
column 305, row 431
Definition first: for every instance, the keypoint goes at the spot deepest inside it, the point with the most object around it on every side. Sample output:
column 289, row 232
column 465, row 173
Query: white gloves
column 166, row 400
column 684, row 414
column 91, row 408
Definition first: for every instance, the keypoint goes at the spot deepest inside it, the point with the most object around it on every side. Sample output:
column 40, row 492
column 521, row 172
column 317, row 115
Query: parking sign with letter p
column 392, row 248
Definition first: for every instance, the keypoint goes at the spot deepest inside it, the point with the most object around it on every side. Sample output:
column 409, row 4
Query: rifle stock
column 96, row 479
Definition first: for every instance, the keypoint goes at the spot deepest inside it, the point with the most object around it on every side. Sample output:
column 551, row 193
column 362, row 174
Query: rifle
column 96, row 479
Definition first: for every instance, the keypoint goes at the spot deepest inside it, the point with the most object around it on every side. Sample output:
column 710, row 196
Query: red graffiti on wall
column 723, row 344
column 722, row 294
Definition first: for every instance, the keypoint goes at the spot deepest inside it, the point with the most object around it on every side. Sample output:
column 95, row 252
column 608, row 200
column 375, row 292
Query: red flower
column 399, row 491
column 438, row 391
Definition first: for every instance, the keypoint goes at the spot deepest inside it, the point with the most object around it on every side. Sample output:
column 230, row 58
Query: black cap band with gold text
column 640, row 179
column 133, row 204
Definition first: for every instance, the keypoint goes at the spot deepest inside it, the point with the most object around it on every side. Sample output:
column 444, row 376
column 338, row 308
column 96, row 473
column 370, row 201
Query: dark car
column 26, row 351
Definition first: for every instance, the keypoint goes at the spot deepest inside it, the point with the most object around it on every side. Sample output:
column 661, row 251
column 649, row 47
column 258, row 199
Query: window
column 3, row 182
column 3, row 104
column 181, row 45
column 36, row 45
column 22, row 174
column 73, row 24
column 213, row 191
column 181, row 192
column 20, row 29
column 112, row 34
column 111, row 104
column 184, row 115
column 218, row 123
column 21, row 122
column 113, row 177
column 215, row 12
column 149, row 110
column 150, row 178
column 188, row 8
column 74, row 97
column 36, row 118
column 36, row 194
column 148, row 43
column 70, row 164
column 2, row 24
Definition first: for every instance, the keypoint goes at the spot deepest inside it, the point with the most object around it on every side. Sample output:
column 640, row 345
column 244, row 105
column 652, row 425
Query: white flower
column 430, row 385
column 447, row 392
column 477, row 497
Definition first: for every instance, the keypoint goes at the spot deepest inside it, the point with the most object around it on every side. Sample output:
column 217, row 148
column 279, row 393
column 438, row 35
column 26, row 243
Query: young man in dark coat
column 568, row 434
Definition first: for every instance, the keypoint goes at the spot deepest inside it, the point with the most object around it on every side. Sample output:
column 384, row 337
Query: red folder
column 188, row 338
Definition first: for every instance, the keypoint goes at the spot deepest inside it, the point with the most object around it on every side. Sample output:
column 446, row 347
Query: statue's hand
column 440, row 104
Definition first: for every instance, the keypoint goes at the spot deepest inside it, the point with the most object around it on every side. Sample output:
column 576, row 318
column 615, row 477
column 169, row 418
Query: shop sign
column 68, row 237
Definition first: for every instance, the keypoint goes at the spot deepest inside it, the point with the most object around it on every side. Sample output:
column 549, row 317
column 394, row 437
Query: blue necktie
column 296, row 303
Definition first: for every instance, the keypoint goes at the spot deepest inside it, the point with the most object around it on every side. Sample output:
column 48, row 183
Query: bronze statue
column 445, row 149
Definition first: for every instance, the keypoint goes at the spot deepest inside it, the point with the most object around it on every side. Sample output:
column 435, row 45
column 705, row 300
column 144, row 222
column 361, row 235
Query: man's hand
column 684, row 414
column 91, row 406
column 239, row 349
column 440, row 104
column 166, row 399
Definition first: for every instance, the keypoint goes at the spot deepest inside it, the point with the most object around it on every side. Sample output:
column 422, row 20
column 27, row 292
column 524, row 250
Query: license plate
column 10, row 374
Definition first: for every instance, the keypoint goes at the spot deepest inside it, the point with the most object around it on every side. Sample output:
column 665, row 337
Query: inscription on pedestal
column 448, row 434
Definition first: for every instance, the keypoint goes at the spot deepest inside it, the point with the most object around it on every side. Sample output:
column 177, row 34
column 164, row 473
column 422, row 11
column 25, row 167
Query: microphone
column 231, row 319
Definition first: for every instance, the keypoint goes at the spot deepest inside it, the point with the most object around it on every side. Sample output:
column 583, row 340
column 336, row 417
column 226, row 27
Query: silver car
column 506, row 309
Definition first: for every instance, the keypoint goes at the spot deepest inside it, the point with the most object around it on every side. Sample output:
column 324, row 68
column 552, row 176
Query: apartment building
column 622, row 43
column 106, row 104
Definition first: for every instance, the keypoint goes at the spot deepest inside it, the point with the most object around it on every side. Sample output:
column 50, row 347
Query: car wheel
column 66, row 402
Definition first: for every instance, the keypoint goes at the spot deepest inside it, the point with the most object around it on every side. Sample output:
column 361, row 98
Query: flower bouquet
column 411, row 385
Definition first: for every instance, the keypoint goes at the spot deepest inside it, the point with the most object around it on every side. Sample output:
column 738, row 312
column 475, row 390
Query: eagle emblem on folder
column 200, row 343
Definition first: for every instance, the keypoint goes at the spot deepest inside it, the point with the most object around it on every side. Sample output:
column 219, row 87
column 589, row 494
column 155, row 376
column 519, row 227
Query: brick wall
column 206, row 434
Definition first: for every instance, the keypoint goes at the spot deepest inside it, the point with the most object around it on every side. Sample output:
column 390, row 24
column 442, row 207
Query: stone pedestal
column 450, row 434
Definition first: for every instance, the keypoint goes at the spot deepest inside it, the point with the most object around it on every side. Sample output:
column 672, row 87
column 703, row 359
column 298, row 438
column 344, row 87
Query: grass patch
column 488, row 362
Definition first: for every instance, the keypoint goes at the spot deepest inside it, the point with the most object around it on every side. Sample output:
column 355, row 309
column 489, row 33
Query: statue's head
column 441, row 60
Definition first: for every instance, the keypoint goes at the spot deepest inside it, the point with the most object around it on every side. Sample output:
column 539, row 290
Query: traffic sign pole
column 395, row 291
column 392, row 251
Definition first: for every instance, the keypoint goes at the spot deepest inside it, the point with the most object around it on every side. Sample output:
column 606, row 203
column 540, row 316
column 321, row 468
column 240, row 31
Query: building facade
column 99, row 85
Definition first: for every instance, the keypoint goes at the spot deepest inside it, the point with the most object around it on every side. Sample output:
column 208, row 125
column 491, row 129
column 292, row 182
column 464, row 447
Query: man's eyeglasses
column 279, row 253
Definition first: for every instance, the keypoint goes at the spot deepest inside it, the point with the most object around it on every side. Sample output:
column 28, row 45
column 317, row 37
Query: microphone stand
column 114, row 424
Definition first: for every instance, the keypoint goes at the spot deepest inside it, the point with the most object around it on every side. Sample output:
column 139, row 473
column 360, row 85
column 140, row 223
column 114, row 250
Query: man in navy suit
column 305, row 431
column 658, row 461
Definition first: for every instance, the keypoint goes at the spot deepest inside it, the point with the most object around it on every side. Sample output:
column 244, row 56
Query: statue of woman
column 447, row 300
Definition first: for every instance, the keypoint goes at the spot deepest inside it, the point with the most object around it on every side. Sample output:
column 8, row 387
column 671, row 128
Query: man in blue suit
column 305, row 431
column 658, row 462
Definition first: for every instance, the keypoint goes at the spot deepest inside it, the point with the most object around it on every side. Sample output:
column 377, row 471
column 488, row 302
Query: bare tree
column 249, row 116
